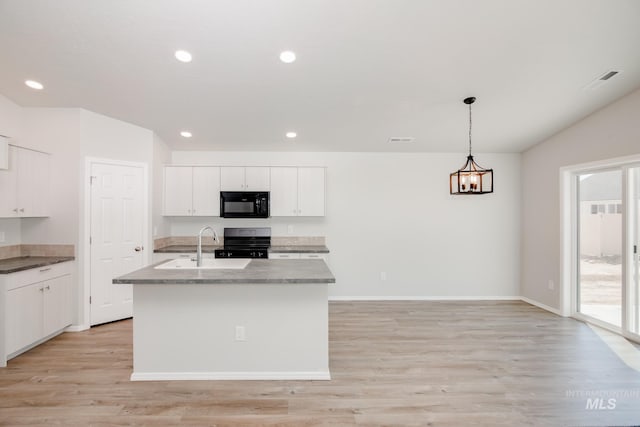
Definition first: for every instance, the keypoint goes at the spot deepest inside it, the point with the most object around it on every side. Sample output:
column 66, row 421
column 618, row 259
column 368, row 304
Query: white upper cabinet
column 297, row 191
column 191, row 191
column 311, row 191
column 25, row 184
column 284, row 191
column 240, row 178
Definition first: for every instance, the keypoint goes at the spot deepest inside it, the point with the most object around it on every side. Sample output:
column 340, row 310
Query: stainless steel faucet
column 199, row 253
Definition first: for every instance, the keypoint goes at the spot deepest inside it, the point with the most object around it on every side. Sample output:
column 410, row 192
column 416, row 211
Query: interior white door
column 117, row 221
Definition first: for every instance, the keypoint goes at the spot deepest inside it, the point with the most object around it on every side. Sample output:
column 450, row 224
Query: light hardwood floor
column 392, row 363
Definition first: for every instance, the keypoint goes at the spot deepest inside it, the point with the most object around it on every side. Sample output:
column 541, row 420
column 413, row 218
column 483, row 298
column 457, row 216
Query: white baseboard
column 424, row 298
column 208, row 376
column 76, row 328
column 542, row 306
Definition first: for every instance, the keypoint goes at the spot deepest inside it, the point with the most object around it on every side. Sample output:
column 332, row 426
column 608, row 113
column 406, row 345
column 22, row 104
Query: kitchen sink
column 207, row 264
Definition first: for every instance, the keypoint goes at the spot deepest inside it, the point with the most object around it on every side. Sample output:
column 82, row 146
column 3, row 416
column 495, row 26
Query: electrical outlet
column 551, row 285
column 383, row 275
column 240, row 333
column 2, row 237
column 289, row 229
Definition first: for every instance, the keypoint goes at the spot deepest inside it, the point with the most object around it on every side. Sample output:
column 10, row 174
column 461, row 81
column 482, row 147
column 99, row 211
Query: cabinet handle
column 42, row 270
column 41, row 289
column 21, row 209
column 48, row 287
column 139, row 248
column 16, row 210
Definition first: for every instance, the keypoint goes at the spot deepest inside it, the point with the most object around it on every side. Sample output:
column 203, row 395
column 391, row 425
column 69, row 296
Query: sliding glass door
column 634, row 256
column 600, row 243
column 608, row 232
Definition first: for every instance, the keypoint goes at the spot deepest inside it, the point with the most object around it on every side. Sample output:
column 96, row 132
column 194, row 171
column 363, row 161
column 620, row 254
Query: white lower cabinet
column 37, row 306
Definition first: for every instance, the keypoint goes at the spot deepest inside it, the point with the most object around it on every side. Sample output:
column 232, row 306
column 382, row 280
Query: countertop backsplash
column 15, row 251
column 163, row 242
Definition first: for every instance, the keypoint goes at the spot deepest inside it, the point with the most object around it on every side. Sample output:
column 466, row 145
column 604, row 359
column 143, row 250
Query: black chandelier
column 471, row 178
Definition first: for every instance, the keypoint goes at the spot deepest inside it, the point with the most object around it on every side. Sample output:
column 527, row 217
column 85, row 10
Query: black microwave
column 244, row 204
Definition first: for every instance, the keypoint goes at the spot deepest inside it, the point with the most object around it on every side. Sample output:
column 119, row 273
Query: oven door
column 240, row 204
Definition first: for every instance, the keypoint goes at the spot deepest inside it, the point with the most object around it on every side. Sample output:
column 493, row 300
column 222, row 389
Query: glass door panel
column 634, row 264
column 600, row 246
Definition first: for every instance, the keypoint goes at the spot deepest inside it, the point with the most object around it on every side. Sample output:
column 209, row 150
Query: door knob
column 139, row 248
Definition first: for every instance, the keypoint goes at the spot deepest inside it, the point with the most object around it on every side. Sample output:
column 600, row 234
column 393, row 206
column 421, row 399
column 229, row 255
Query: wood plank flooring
column 393, row 363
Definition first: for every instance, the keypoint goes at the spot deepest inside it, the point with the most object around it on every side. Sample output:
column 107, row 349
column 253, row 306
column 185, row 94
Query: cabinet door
column 284, row 191
column 33, row 183
column 257, row 178
column 232, row 179
column 8, row 186
column 57, row 304
column 206, row 191
column 178, row 190
column 24, row 316
column 311, row 191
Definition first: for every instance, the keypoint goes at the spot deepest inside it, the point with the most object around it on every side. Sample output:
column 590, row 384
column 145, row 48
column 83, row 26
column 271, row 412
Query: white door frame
column 568, row 236
column 86, row 228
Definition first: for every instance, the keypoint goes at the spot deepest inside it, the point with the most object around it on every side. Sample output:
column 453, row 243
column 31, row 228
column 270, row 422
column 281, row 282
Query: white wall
column 392, row 213
column 610, row 132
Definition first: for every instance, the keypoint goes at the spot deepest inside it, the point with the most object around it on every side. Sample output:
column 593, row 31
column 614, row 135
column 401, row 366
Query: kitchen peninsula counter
column 268, row 321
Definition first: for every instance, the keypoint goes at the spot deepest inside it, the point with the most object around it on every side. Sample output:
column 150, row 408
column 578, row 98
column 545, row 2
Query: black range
column 245, row 243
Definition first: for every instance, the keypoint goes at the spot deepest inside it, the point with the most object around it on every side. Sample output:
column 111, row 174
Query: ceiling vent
column 604, row 78
column 401, row 139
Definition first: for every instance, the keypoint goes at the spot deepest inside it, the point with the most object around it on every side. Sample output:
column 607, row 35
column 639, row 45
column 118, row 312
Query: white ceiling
column 367, row 70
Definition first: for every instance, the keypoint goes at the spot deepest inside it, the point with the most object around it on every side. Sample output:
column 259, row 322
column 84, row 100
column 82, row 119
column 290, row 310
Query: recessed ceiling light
column 291, row 135
column 183, row 56
column 287, row 57
column 186, row 134
column 34, row 84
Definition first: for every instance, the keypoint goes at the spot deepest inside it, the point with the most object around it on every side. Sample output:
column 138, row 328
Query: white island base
column 195, row 332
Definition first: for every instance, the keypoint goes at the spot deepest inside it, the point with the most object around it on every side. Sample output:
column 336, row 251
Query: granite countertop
column 310, row 249
column 13, row 265
column 261, row 271
column 188, row 249
column 317, row 249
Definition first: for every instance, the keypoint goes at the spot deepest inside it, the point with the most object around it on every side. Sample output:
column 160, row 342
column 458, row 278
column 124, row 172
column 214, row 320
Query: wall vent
column 401, row 139
column 602, row 79
column 608, row 75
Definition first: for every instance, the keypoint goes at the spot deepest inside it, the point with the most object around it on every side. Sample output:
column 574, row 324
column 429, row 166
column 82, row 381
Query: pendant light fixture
column 471, row 178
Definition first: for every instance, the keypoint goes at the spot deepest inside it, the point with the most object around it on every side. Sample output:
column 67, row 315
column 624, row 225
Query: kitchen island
column 267, row 321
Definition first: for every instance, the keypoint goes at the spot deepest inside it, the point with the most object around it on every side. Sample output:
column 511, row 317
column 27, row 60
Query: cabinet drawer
column 283, row 255
column 322, row 256
column 35, row 275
